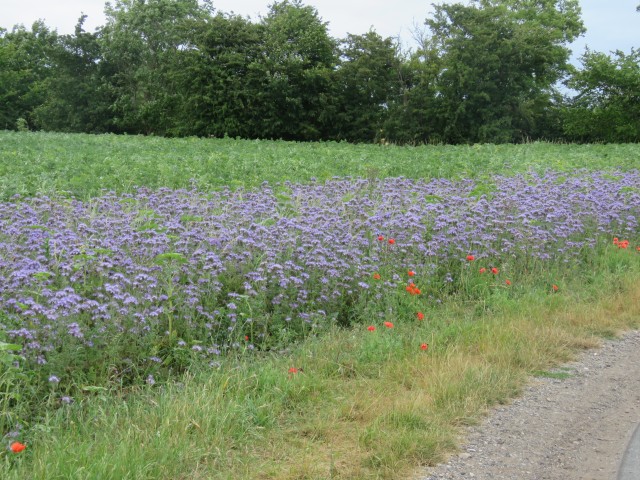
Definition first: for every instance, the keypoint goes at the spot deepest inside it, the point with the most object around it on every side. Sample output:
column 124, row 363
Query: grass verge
column 360, row 404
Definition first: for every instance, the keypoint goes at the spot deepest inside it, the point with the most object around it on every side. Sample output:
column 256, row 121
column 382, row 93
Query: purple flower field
column 159, row 274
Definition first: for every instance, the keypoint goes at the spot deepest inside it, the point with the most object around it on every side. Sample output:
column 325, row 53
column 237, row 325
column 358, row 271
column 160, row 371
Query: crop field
column 86, row 165
column 270, row 309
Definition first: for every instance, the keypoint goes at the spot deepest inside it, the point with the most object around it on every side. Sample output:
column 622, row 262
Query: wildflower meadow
column 133, row 291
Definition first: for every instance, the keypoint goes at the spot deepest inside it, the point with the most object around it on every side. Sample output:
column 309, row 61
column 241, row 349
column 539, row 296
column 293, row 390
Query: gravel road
column 575, row 428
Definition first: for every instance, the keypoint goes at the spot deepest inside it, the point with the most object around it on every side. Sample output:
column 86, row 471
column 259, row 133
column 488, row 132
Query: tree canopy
column 485, row 71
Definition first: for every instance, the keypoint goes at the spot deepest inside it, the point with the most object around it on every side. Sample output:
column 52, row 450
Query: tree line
column 484, row 71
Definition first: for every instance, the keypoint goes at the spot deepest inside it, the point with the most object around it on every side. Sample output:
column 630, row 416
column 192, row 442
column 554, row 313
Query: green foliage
column 414, row 117
column 300, row 56
column 223, row 80
column 485, row 72
column 365, row 82
column 11, row 376
column 146, row 45
column 498, row 61
column 83, row 165
column 607, row 107
column 25, row 61
column 22, row 125
column 76, row 99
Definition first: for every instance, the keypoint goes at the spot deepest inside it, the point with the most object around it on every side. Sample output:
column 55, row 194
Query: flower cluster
column 206, row 273
column 624, row 244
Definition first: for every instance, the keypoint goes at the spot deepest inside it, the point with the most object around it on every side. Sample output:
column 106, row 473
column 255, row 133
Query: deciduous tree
column 300, row 56
column 607, row 106
column 75, row 94
column 146, row 43
column 365, row 83
column 499, row 62
column 25, row 64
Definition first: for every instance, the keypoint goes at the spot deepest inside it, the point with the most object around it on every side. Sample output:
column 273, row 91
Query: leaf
column 94, row 388
column 9, row 346
column 169, row 257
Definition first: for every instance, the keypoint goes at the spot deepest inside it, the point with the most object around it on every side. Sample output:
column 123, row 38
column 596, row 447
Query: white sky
column 611, row 24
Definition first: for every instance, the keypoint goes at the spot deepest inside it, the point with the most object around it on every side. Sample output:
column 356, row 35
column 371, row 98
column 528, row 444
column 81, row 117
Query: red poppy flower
column 555, row 287
column 376, row 276
column 388, row 324
column 615, row 240
column 380, row 238
column 494, row 270
column 371, row 328
column 482, row 270
column 17, row 447
column 293, row 370
column 417, row 291
column 411, row 273
column 508, row 282
column 420, row 316
column 424, row 346
column 392, row 241
column 246, row 337
column 470, row 258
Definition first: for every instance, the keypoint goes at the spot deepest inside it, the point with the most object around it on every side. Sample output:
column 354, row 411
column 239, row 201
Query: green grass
column 47, row 163
column 549, row 374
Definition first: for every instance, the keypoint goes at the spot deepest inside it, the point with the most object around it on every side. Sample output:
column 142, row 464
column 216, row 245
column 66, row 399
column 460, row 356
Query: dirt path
column 575, row 428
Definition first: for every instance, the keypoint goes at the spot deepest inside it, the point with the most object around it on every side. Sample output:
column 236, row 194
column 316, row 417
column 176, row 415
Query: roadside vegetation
column 344, row 326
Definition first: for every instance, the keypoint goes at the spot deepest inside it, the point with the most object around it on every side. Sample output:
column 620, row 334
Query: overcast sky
column 611, row 24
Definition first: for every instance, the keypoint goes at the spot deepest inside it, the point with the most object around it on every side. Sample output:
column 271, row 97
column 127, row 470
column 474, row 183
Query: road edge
column 630, row 464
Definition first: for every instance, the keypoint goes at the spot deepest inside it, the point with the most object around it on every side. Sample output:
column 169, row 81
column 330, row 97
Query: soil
column 573, row 428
